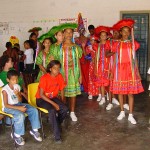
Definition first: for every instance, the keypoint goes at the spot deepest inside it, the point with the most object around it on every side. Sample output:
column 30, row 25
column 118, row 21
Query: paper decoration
column 73, row 20
column 4, row 28
column 14, row 40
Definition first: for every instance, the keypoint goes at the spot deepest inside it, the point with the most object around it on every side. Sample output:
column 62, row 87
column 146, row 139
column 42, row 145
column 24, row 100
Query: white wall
column 24, row 14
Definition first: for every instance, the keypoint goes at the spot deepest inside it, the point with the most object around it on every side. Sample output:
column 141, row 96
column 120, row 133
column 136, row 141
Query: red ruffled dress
column 126, row 79
column 92, row 89
column 102, row 65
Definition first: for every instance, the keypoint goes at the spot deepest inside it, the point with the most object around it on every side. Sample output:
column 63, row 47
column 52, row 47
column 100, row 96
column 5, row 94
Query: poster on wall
column 4, row 28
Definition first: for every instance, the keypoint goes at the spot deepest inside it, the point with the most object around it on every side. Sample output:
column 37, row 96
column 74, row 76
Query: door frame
column 141, row 12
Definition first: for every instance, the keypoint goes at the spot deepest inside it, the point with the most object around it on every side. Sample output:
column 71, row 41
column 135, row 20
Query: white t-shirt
column 29, row 56
column 12, row 98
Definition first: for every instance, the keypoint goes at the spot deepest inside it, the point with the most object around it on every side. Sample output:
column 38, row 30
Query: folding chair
column 32, row 89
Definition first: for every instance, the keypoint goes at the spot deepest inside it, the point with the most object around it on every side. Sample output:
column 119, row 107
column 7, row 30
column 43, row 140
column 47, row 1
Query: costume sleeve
column 39, row 59
column 107, row 46
column 79, row 51
column 54, row 51
column 137, row 45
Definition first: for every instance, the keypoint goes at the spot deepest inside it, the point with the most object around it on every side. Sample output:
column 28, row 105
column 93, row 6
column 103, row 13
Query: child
column 110, row 54
column 47, row 96
column 11, row 53
column 43, row 57
column 11, row 103
column 92, row 89
column 6, row 64
column 101, row 62
column 126, row 77
column 91, row 29
column 28, row 56
column 69, row 54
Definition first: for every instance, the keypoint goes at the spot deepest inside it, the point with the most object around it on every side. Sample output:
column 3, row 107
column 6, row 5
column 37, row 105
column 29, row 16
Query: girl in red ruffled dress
column 101, row 63
column 126, row 77
column 92, row 89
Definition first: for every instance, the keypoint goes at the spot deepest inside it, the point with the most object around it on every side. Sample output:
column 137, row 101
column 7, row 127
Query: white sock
column 17, row 135
column 35, row 130
column 72, row 112
column 130, row 115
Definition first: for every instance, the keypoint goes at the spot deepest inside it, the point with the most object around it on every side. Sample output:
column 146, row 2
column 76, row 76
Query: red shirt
column 51, row 85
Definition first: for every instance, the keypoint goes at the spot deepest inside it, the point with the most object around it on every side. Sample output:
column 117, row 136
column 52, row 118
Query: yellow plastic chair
column 32, row 89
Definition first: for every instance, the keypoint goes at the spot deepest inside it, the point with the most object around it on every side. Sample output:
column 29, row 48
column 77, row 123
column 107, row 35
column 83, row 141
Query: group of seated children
column 50, row 85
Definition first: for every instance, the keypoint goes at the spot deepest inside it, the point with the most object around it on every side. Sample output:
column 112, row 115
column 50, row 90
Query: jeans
column 56, row 117
column 19, row 117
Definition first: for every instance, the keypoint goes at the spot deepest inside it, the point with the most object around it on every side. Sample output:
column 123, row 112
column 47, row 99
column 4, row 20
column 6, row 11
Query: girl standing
column 69, row 54
column 43, row 57
column 126, row 77
column 92, row 89
column 101, row 63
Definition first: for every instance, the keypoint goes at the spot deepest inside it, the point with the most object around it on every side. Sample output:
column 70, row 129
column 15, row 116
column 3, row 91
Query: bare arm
column 109, row 54
column 45, row 98
column 5, row 99
column 42, row 69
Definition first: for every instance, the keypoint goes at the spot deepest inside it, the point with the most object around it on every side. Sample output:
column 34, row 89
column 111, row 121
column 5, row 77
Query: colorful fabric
column 92, row 89
column 42, row 59
column 84, row 64
column 69, row 59
column 50, row 85
column 126, row 78
column 102, row 65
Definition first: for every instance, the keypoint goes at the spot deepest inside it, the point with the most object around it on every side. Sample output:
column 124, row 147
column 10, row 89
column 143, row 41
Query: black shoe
column 59, row 141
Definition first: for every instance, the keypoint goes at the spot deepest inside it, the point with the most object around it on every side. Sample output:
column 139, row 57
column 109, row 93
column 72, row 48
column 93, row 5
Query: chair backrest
column 32, row 89
column 1, row 98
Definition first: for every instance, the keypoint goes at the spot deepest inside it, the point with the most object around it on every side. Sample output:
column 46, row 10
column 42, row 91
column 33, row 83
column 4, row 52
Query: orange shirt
column 51, row 85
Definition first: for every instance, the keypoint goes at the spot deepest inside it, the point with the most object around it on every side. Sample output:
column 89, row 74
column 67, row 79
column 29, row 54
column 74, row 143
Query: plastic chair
column 32, row 89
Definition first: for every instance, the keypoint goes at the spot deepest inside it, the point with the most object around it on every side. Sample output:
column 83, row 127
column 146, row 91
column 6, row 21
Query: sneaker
column 102, row 101
column 58, row 141
column 18, row 140
column 99, row 98
column 109, row 106
column 115, row 101
column 107, row 95
column 73, row 116
column 36, row 135
column 131, row 119
column 90, row 97
column 121, row 115
column 126, row 106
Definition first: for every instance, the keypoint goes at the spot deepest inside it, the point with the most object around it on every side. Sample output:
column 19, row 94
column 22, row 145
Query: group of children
column 110, row 63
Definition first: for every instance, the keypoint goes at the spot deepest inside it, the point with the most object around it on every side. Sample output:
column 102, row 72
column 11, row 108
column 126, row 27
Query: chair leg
column 26, row 121
column 41, row 121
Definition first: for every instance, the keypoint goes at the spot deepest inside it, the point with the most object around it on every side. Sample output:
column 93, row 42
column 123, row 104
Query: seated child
column 50, row 84
column 11, row 104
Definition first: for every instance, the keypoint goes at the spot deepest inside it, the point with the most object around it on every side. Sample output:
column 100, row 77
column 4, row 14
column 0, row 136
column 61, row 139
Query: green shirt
column 3, row 77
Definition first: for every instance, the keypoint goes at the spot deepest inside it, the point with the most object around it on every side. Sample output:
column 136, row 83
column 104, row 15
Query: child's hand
column 22, row 108
column 56, row 107
column 16, row 91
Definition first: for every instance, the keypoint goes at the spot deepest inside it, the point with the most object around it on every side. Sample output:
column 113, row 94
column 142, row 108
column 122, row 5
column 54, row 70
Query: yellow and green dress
column 69, row 59
column 42, row 59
